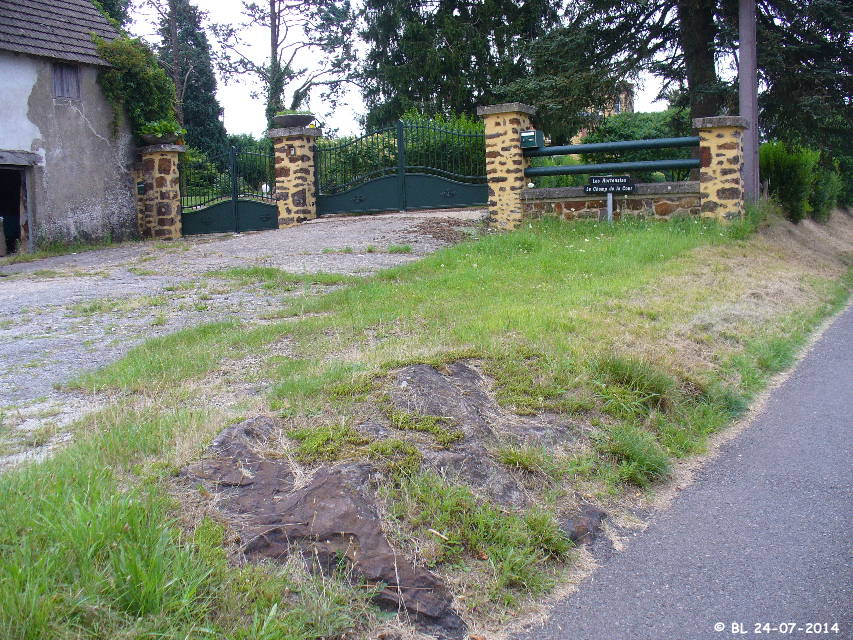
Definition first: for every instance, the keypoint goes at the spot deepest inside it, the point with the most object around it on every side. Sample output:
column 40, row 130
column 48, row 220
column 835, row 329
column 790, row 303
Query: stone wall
column 140, row 197
column 161, row 202
column 294, row 174
column 505, row 162
column 721, row 160
column 660, row 201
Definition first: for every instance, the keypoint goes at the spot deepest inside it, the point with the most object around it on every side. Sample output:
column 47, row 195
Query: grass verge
column 512, row 546
column 646, row 334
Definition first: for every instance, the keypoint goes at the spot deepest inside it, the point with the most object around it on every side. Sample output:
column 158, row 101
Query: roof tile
column 56, row 29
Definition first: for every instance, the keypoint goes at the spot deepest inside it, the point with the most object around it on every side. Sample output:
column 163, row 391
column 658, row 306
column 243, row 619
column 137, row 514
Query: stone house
column 65, row 174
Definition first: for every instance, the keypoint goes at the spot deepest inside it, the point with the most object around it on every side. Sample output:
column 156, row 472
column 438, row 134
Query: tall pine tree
column 446, row 56
column 804, row 60
column 185, row 52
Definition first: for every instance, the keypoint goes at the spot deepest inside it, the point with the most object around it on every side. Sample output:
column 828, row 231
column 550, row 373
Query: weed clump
column 655, row 387
column 641, row 460
column 330, row 442
column 437, row 426
column 531, row 460
column 515, row 546
column 397, row 456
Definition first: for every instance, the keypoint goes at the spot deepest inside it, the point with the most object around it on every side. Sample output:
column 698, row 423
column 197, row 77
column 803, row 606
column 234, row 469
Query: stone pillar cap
column 720, row 121
column 294, row 131
column 506, row 107
column 155, row 148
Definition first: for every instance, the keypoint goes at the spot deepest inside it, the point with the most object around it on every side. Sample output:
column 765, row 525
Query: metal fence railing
column 609, row 167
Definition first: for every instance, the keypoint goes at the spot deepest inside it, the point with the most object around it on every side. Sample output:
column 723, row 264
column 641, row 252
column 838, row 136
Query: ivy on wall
column 135, row 84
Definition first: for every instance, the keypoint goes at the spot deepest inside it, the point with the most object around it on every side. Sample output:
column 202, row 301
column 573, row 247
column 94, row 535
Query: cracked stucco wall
column 83, row 186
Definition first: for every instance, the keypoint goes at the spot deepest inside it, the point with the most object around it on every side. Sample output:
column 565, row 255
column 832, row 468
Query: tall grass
column 641, row 459
column 80, row 553
column 88, row 548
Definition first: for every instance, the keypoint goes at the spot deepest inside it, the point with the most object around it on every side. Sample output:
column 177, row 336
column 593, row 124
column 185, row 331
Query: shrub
column 202, row 178
column 135, row 84
column 431, row 145
column 672, row 123
column 558, row 181
column 457, row 122
column 789, row 171
column 845, row 169
column 162, row 128
column 625, row 126
column 827, row 189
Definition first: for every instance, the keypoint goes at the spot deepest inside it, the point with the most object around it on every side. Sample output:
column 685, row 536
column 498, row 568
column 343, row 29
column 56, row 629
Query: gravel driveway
column 63, row 315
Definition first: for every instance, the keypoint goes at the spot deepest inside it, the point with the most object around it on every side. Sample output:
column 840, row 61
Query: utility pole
column 748, row 96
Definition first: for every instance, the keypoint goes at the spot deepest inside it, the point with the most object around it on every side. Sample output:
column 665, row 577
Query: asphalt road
column 763, row 536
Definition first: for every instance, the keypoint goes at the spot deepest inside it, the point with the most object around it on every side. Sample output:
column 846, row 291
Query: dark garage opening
column 10, row 207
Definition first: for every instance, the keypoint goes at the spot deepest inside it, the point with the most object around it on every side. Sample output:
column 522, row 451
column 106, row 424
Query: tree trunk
column 177, row 63
column 696, row 34
column 276, row 83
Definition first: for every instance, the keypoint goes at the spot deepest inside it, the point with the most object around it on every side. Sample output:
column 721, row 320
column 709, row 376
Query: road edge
column 661, row 498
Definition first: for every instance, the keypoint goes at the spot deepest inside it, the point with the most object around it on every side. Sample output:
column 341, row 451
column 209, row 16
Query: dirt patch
column 446, row 230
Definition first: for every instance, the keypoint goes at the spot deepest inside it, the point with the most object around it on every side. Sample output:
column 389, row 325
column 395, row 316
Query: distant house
column 64, row 174
column 622, row 103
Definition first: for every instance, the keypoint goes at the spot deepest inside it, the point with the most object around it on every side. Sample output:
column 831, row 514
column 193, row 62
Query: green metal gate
column 412, row 165
column 231, row 193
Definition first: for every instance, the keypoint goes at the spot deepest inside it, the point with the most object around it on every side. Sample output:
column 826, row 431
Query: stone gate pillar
column 721, row 166
column 294, row 174
column 160, row 211
column 505, row 162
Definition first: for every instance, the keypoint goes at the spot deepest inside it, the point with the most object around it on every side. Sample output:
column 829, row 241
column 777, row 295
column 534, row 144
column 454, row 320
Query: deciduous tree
column 804, row 59
column 310, row 47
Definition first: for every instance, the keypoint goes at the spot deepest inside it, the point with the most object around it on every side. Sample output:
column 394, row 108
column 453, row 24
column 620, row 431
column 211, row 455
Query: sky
column 244, row 114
